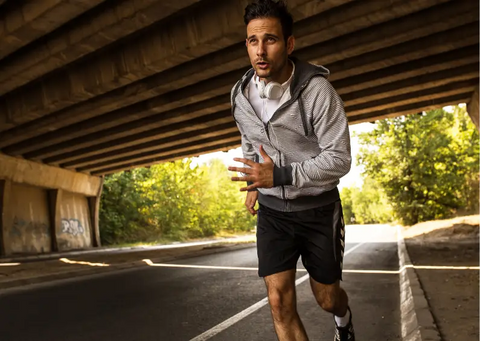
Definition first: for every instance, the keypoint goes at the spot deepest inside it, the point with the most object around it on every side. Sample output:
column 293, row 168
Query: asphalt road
column 182, row 303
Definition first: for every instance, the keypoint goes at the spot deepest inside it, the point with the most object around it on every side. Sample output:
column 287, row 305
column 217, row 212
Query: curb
column 417, row 323
column 106, row 250
column 183, row 253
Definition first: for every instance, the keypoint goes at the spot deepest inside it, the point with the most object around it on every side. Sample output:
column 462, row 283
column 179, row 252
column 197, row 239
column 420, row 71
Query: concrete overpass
column 92, row 87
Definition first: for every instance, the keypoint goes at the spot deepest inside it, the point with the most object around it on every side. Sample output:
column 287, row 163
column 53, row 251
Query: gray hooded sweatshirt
column 307, row 138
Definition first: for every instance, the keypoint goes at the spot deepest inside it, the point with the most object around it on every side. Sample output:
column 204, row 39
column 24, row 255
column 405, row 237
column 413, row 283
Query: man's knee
column 327, row 296
column 282, row 304
column 281, row 295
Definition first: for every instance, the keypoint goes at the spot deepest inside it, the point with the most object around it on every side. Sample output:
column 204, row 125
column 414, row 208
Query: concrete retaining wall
column 74, row 232
column 46, row 209
column 27, row 221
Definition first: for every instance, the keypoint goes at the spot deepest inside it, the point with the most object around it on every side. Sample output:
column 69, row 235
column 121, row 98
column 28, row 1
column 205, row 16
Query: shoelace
column 346, row 332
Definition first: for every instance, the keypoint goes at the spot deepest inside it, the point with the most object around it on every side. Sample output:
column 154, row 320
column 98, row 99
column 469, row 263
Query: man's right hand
column 250, row 202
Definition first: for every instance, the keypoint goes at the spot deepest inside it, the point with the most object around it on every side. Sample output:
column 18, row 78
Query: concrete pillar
column 472, row 108
column 54, row 200
column 45, row 208
column 5, row 186
column 94, row 206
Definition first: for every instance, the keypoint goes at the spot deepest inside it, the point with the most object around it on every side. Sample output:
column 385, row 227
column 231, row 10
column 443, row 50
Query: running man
column 296, row 147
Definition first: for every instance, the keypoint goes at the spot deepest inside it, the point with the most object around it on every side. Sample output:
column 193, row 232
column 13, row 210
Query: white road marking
column 439, row 267
column 241, row 315
column 9, row 264
column 369, row 271
column 68, row 261
column 167, row 265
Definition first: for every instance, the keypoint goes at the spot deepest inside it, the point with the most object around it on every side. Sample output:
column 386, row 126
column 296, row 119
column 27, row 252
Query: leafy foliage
column 366, row 205
column 418, row 167
column 172, row 201
column 427, row 164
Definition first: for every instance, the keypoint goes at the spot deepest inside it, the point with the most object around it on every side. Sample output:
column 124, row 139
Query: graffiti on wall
column 72, row 226
column 21, row 226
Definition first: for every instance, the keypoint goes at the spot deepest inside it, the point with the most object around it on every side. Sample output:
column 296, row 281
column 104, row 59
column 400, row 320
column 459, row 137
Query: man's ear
column 290, row 44
column 246, row 42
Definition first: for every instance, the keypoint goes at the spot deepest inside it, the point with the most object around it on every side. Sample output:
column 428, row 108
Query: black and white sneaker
column 346, row 333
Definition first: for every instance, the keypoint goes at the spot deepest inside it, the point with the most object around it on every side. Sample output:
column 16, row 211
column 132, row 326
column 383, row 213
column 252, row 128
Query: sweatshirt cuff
column 282, row 176
column 251, row 190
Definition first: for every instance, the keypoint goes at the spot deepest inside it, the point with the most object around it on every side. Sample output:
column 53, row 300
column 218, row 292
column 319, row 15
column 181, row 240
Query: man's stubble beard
column 275, row 72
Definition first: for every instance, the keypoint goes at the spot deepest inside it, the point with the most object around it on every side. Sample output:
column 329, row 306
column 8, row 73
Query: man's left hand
column 260, row 174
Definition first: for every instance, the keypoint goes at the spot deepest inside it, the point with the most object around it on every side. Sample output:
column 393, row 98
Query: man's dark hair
column 270, row 9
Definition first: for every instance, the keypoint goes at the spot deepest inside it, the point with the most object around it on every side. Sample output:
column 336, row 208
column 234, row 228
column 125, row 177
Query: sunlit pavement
column 182, row 303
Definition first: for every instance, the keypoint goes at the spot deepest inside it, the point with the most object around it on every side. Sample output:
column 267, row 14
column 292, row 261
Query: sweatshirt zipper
column 279, row 153
column 280, row 165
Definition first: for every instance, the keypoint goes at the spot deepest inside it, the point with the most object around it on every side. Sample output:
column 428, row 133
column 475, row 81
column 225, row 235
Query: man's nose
column 260, row 49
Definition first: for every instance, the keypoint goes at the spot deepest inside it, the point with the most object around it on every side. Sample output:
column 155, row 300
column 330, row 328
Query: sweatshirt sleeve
column 325, row 108
column 247, row 148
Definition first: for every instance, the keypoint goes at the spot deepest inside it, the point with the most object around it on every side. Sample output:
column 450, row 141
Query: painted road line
column 68, row 261
column 241, row 315
column 440, row 267
column 358, row 271
column 167, row 265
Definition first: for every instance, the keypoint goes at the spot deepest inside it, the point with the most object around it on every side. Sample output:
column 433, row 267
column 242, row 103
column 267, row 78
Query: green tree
column 120, row 216
column 346, row 196
column 172, row 201
column 425, row 163
column 223, row 201
column 370, row 204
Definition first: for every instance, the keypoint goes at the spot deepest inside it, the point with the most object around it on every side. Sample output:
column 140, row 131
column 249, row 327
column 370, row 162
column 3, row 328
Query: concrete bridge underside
column 92, row 87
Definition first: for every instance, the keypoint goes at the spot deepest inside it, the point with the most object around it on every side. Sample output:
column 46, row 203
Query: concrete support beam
column 100, row 27
column 420, row 24
column 403, row 110
column 94, row 208
column 405, row 86
column 172, row 157
column 372, row 93
column 405, row 52
column 196, row 135
column 198, row 123
column 181, row 146
column 206, row 30
column 36, row 174
column 441, row 62
column 5, row 186
column 169, row 144
column 472, row 108
column 327, row 26
column 24, row 21
column 179, row 76
column 32, row 148
column 54, row 202
column 410, row 108
column 200, row 109
column 64, row 139
column 405, row 94
column 413, row 97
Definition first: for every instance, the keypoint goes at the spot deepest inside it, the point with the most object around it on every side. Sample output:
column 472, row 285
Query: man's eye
column 252, row 41
column 271, row 40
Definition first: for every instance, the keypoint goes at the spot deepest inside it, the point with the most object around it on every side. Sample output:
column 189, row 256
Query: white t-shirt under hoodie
column 265, row 108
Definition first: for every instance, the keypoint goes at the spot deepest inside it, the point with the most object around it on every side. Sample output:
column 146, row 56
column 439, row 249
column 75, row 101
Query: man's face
column 266, row 47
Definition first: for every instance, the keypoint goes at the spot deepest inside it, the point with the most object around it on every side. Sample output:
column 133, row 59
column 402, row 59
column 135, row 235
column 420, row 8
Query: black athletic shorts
column 317, row 234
